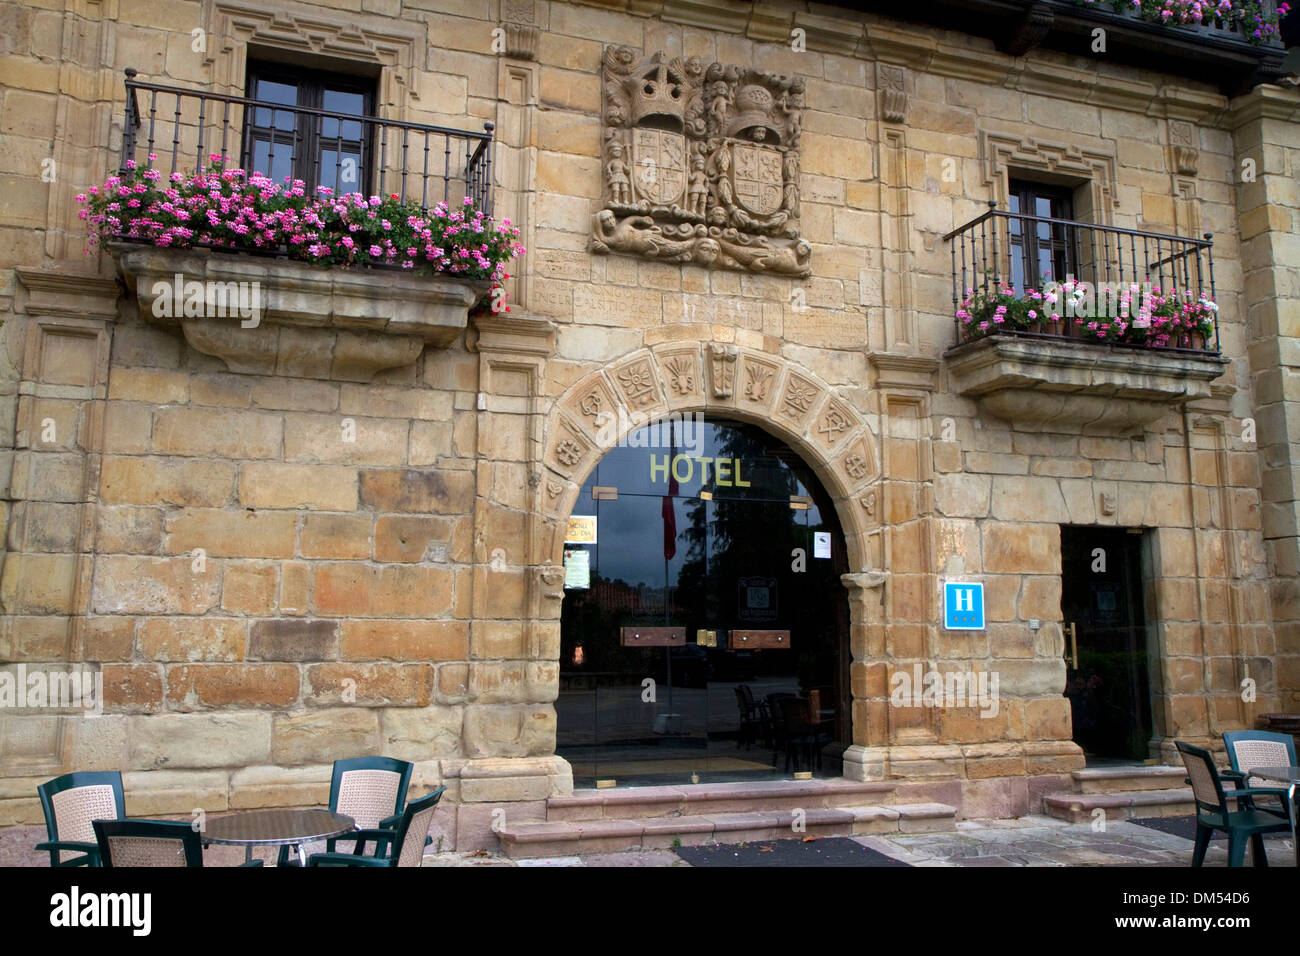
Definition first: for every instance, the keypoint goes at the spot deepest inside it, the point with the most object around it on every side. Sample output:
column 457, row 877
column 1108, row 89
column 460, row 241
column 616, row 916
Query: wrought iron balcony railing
column 1221, row 54
column 174, row 129
column 1230, row 31
column 1114, row 272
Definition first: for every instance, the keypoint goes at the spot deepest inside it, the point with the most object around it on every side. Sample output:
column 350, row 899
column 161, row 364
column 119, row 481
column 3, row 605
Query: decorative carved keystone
column 722, row 368
column 1028, row 31
column 1182, row 144
column 893, row 94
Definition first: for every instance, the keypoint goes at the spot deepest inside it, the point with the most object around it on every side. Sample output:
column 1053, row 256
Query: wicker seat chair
column 1248, row 749
column 1213, row 813
column 71, row 803
column 371, row 790
column 399, row 846
column 131, row 843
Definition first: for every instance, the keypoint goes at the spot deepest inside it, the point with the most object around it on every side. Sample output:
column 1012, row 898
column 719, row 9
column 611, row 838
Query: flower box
column 274, row 281
column 310, row 322
column 1039, row 383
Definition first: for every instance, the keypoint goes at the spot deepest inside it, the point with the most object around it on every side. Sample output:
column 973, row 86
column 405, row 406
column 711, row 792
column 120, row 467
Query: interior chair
column 402, row 845
column 776, row 717
column 370, row 790
column 71, row 803
column 801, row 733
column 1213, row 812
column 751, row 720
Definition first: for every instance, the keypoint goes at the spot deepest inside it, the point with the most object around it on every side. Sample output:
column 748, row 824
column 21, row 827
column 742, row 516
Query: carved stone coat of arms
column 701, row 164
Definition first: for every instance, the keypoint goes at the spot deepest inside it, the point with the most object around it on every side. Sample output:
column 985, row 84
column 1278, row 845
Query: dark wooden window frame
column 305, row 139
column 1027, row 243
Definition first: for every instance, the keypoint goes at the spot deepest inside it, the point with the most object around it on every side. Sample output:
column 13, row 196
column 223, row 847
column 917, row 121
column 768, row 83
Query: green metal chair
column 152, row 843
column 1248, row 749
column 400, row 846
column 71, row 803
column 371, row 790
column 1212, row 811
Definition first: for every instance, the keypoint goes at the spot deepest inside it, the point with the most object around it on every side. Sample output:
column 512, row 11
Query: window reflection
column 702, row 538
column 320, row 150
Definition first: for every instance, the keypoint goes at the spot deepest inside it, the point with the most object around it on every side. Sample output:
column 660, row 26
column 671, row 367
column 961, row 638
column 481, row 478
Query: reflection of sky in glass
column 630, row 529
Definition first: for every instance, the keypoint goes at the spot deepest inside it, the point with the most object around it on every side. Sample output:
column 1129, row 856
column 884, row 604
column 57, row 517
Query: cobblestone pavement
column 1029, row 841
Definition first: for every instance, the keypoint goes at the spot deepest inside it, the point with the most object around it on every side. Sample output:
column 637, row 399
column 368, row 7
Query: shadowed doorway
column 1107, row 678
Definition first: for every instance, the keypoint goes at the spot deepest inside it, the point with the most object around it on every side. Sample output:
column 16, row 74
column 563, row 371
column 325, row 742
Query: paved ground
column 1029, row 841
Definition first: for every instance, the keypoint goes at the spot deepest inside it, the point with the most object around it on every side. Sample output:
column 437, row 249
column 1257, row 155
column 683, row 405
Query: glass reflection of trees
column 730, row 537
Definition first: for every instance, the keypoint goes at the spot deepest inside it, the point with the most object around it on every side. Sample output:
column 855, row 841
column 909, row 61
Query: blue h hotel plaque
column 963, row 606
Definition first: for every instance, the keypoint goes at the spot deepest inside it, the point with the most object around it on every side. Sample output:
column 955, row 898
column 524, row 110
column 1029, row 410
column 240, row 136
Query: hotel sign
column 963, row 606
column 725, row 472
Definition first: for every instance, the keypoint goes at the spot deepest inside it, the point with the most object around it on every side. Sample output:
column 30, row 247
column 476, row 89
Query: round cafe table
column 1291, row 777
column 293, row 828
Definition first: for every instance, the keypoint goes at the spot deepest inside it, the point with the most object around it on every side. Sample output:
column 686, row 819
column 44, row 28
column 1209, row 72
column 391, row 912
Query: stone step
column 608, row 835
column 711, row 798
column 1136, row 777
column 1121, row 804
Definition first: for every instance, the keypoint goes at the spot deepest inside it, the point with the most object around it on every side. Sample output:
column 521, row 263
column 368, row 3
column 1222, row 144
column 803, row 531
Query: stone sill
column 314, row 323
column 1043, row 382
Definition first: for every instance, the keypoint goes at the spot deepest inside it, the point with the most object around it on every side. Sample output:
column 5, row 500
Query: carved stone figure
column 638, row 235
column 698, row 193
column 714, row 147
column 620, row 184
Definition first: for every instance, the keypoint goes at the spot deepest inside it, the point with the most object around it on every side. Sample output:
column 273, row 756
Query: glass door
column 704, row 628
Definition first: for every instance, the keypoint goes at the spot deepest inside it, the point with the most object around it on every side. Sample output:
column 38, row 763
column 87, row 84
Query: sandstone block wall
column 397, row 593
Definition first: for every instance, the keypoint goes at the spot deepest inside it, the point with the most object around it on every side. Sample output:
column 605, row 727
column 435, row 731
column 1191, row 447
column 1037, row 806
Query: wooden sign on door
column 652, row 636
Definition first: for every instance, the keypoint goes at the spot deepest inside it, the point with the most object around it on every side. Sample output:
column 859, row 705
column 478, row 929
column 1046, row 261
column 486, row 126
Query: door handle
column 1074, row 646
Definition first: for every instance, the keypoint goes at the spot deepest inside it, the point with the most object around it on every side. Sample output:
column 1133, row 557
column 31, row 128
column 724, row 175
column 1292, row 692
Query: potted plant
column 226, row 208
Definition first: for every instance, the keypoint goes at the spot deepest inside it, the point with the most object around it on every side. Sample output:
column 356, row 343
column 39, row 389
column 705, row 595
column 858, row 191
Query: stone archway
column 839, row 443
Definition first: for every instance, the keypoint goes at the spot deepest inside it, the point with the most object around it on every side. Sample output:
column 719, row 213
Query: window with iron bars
column 1041, row 252
column 314, row 136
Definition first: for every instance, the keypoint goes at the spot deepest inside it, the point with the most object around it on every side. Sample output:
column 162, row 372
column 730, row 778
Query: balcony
column 298, row 318
column 1221, row 54
column 1127, row 332
column 344, row 152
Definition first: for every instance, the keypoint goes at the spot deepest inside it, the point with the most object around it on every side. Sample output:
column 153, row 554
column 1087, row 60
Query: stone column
column 52, row 511
column 1266, row 125
column 867, row 758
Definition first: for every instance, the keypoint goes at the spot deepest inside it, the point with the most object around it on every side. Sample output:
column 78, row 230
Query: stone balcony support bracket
column 308, row 322
column 1042, row 384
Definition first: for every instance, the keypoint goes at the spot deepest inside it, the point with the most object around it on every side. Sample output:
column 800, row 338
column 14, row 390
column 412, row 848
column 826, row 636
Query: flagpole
column 670, row 650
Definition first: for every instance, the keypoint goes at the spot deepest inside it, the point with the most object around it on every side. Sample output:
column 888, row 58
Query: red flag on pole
column 669, row 509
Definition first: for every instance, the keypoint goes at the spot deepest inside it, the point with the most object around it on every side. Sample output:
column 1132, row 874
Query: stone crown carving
column 701, row 164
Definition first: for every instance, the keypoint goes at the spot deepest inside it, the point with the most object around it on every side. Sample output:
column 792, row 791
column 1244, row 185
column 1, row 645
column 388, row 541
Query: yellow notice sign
column 582, row 530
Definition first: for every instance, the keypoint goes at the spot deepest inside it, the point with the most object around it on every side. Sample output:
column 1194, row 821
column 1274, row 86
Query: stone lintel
column 69, row 294
column 503, row 333
column 904, row 371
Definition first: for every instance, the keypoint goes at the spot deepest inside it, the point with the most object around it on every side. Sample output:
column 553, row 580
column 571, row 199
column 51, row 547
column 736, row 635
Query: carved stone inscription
column 701, row 164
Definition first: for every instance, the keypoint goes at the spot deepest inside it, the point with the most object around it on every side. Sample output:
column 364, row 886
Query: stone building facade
column 185, row 513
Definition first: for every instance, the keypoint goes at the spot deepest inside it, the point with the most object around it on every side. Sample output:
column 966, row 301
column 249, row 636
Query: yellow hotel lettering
column 726, row 471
